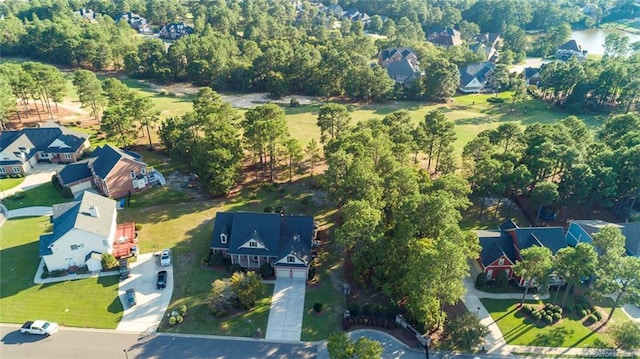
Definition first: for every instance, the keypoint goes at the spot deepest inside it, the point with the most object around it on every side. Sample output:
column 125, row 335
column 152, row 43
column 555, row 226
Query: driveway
column 38, row 175
column 152, row 303
column 287, row 308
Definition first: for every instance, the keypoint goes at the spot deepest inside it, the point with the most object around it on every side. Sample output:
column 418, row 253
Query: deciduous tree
column 535, row 266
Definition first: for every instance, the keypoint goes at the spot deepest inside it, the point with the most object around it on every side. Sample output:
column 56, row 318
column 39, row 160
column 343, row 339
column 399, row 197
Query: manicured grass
column 157, row 195
column 90, row 303
column 520, row 330
column 43, row 195
column 9, row 183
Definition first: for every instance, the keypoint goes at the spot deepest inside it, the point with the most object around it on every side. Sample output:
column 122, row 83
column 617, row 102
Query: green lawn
column 9, row 183
column 90, row 303
column 569, row 332
column 157, row 195
column 43, row 195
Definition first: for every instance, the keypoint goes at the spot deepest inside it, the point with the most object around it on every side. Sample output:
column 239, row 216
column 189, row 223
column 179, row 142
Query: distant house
column 581, row 231
column 252, row 239
column 444, row 36
column 488, row 43
column 82, row 229
column 476, row 77
column 112, row 171
column 501, row 249
column 532, row 76
column 354, row 15
column 136, row 21
column 20, row 151
column 401, row 64
column 175, row 30
column 569, row 50
column 87, row 15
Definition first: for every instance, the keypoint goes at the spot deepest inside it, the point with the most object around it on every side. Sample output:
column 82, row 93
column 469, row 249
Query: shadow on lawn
column 554, row 338
column 18, row 266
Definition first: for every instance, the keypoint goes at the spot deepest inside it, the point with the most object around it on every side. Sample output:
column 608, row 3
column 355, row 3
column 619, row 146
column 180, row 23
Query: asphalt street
column 71, row 343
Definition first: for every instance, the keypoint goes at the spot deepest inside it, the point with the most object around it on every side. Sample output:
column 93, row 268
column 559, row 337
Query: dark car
column 131, row 297
column 162, row 279
column 124, row 269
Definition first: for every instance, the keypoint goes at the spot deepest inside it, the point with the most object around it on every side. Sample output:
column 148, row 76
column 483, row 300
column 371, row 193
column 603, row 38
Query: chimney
column 93, row 211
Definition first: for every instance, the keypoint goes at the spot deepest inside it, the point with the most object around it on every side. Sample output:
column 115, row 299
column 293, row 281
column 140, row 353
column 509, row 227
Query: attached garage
column 78, row 188
column 291, row 272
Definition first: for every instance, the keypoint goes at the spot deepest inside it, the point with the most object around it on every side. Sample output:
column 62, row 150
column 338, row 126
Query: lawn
column 9, row 183
column 90, row 303
column 569, row 332
column 157, row 195
column 43, row 195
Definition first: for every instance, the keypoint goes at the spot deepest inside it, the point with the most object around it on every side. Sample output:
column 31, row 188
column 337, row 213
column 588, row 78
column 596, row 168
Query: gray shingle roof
column 50, row 138
column 74, row 172
column 550, row 237
column 631, row 231
column 495, row 245
column 478, row 71
column 104, row 159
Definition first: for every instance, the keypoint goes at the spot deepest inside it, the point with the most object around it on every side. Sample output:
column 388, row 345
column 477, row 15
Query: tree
column 313, row 153
column 626, row 334
column 294, row 153
column 221, row 297
column 465, row 331
column 332, row 120
column 90, row 92
column 441, row 79
column 519, row 88
column 265, row 125
column 248, row 288
column 7, row 102
column 146, row 115
column 575, row 264
column 439, row 135
column 617, row 274
column 118, row 123
column 535, row 266
column 340, row 346
column 543, row 195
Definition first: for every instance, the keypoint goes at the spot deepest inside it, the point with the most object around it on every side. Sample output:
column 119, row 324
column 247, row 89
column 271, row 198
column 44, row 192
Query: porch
column 250, row 261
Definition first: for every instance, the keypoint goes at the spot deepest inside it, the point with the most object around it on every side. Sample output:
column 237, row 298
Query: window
column 255, row 258
column 74, row 247
column 143, row 170
column 501, row 261
column 133, row 174
column 105, row 243
column 253, row 244
column 223, row 238
column 2, row 170
column 291, row 259
column 16, row 169
column 45, row 155
column 67, row 156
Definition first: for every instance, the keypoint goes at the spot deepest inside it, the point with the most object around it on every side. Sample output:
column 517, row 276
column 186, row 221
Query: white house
column 80, row 230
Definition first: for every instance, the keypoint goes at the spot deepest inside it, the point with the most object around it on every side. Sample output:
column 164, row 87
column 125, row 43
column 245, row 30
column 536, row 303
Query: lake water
column 593, row 39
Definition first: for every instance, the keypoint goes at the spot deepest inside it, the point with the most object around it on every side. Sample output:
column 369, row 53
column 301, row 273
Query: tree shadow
column 115, row 306
column 554, row 338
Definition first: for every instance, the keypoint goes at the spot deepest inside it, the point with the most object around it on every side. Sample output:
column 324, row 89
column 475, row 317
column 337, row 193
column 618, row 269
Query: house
column 252, row 239
column 87, row 15
column 112, row 171
column 488, row 43
column 581, row 231
column 401, row 64
column 476, row 77
column 20, row 151
column 444, row 36
column 175, row 30
column 532, row 76
column 571, row 49
column 501, row 249
column 136, row 22
column 82, row 229
column 354, row 15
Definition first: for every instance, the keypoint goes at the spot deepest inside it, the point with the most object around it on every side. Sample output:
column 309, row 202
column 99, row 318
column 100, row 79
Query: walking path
column 287, row 309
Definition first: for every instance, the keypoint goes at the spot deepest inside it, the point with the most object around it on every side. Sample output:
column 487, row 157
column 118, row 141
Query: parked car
column 165, row 258
column 162, row 279
column 131, row 297
column 124, row 269
column 39, row 327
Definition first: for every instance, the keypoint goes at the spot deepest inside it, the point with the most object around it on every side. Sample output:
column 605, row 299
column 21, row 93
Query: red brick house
column 113, row 172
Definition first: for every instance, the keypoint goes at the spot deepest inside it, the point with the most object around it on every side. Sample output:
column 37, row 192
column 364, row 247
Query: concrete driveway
column 38, row 175
column 152, row 303
column 287, row 308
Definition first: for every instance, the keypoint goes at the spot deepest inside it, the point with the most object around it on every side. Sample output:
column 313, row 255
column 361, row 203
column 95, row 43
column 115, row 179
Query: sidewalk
column 37, row 279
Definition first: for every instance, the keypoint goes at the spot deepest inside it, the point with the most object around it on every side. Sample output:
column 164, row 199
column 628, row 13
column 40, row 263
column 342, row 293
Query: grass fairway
column 43, row 195
column 90, row 303
column 569, row 332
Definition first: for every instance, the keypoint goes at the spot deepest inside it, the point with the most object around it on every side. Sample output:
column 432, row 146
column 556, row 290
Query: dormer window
column 253, row 244
column 501, row 261
column 223, row 238
column 291, row 259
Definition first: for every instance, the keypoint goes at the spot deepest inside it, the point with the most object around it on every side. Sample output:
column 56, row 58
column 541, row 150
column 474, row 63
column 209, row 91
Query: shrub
column 317, row 307
column 18, row 196
column 558, row 310
column 592, row 317
column 354, row 309
column 267, row 209
column 179, row 319
column 280, row 210
column 536, row 315
column 164, row 92
column 501, row 279
column 235, row 267
column 138, row 226
column 294, row 102
column 569, row 308
column 557, row 316
column 182, row 310
column 597, row 314
column 109, row 261
column 312, row 273
column 217, row 259
column 266, row 270
column 548, row 319
column 366, row 309
column 583, row 313
column 481, row 280
column 495, row 100
column 172, row 320
column 378, row 310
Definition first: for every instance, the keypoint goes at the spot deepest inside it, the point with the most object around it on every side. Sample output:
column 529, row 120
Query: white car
column 165, row 258
column 40, row 327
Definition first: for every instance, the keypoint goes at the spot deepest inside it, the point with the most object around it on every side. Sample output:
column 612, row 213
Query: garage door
column 291, row 273
column 78, row 188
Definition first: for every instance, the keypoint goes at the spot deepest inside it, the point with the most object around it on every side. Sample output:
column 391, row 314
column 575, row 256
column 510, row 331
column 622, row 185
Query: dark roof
column 530, row 72
column 495, row 245
column 45, row 241
column 50, row 138
column 74, row 172
column 279, row 234
column 550, row 237
column 401, row 70
column 478, row 71
column 631, row 231
column 104, row 158
column 571, row 45
column 508, row 224
column 388, row 53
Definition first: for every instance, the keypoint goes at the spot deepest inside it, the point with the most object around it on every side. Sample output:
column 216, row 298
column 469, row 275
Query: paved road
column 72, row 343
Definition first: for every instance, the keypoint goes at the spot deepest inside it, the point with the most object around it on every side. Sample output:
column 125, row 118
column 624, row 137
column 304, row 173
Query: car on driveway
column 124, row 269
column 131, row 297
column 165, row 258
column 161, row 283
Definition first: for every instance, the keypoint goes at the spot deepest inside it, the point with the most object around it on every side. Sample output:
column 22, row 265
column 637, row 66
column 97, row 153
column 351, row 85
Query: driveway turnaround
column 287, row 308
column 152, row 303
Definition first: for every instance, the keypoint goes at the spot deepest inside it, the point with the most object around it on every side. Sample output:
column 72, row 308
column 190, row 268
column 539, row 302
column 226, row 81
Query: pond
column 592, row 40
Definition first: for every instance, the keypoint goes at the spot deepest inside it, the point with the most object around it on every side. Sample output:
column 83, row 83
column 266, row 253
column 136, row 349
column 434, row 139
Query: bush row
column 379, row 322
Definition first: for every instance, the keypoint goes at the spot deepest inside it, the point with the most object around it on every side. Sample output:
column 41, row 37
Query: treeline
column 560, row 166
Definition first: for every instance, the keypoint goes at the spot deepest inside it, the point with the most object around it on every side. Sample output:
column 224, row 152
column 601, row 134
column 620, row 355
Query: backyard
column 91, row 303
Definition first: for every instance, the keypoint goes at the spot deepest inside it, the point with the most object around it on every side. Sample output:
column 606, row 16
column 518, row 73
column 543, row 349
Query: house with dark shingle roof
column 175, row 30
column 401, row 63
column 571, row 49
column 20, row 151
column 501, row 249
column 252, row 239
column 114, row 172
column 476, row 77
column 79, row 228
column 136, row 22
column 444, row 36
column 581, row 231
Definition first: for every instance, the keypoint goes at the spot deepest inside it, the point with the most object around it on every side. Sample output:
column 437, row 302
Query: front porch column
column 248, row 262
column 233, row 255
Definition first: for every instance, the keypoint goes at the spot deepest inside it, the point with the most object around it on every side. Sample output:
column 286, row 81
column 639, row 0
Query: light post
column 478, row 313
column 426, row 346
column 125, row 353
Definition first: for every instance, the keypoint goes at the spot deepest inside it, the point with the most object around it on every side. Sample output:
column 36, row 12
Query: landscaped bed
column 573, row 330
